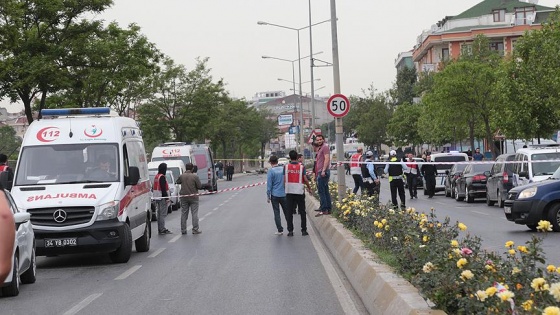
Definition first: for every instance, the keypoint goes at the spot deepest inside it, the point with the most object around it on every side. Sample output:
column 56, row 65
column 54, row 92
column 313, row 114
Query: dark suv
column 528, row 204
column 500, row 180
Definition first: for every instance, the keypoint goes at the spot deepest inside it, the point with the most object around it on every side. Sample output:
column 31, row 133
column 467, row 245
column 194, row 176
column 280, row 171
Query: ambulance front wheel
column 122, row 254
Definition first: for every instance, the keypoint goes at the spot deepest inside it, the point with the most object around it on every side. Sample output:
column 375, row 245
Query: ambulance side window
column 125, row 161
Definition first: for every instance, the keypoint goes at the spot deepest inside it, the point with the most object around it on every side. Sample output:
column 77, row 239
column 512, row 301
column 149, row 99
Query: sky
column 370, row 34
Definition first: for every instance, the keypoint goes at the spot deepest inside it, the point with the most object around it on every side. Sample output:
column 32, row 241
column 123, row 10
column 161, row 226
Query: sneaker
column 183, row 232
column 304, row 233
column 166, row 231
column 319, row 214
column 278, row 233
column 196, row 231
column 290, row 233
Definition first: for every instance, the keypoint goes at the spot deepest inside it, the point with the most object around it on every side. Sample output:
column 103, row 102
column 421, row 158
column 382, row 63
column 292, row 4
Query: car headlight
column 108, row 211
column 528, row 193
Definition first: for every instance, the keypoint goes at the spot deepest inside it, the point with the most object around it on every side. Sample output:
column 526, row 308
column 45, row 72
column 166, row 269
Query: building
column 404, row 60
column 501, row 21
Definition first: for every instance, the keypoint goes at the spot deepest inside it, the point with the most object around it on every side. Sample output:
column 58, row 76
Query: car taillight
column 505, row 177
column 209, row 174
column 478, row 178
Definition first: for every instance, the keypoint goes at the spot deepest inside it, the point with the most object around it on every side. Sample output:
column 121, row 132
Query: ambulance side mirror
column 133, row 176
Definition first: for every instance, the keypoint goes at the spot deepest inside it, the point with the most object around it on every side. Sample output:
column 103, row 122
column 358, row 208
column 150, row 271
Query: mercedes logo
column 60, row 215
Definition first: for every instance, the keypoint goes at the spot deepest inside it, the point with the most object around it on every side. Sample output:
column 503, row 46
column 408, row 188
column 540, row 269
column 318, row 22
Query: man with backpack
column 6, row 172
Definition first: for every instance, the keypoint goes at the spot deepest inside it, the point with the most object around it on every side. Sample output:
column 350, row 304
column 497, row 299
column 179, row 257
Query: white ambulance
column 83, row 177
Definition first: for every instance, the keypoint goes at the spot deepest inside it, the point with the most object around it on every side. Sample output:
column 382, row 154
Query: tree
column 404, row 86
column 10, row 142
column 38, row 37
column 530, row 85
column 403, row 125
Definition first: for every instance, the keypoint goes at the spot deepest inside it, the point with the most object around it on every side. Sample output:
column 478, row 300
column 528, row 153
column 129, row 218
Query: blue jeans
column 323, row 190
column 276, row 203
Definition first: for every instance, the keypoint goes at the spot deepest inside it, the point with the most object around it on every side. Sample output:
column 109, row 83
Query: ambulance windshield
column 68, row 164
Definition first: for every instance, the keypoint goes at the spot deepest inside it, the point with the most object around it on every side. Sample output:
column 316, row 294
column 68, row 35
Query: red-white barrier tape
column 448, row 163
column 215, row 192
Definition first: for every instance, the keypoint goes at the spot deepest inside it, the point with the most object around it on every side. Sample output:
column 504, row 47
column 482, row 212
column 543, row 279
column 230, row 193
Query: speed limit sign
column 338, row 105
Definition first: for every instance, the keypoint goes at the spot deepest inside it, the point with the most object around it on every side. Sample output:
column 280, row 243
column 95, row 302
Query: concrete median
column 381, row 291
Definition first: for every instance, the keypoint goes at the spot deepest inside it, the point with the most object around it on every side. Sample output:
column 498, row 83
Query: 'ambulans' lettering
column 62, row 196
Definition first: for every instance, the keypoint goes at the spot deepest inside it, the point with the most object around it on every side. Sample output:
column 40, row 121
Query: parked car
column 529, row 167
column 446, row 158
column 533, row 202
column 283, row 161
column 472, row 184
column 24, row 265
column 451, row 176
column 500, row 180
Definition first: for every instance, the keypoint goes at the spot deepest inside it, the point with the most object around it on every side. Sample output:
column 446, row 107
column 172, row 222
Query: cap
column 392, row 153
column 369, row 153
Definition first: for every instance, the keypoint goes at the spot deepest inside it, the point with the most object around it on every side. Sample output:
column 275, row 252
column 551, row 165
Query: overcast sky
column 371, row 34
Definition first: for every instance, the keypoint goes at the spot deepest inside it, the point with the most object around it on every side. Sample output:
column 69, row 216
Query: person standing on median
column 356, row 170
column 160, row 192
column 275, row 192
column 294, row 181
column 396, row 182
column 190, row 185
column 322, row 175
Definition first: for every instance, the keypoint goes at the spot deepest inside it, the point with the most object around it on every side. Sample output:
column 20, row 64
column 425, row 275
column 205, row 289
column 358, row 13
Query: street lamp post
column 292, row 62
column 299, row 69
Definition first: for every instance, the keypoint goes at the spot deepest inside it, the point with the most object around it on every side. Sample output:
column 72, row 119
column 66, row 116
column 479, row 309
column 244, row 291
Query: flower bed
column 447, row 264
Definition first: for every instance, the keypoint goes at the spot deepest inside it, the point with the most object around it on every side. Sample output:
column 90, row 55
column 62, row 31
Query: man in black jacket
column 429, row 171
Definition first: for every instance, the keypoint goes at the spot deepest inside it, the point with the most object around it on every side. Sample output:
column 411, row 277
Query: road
column 236, row 266
column 487, row 222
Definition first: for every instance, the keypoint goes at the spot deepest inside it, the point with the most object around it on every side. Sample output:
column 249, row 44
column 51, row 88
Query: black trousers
column 292, row 200
column 412, row 182
column 397, row 185
column 372, row 188
column 358, row 183
column 430, row 185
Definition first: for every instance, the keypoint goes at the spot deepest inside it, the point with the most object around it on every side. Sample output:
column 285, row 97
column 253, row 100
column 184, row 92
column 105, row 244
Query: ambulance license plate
column 507, row 210
column 61, row 242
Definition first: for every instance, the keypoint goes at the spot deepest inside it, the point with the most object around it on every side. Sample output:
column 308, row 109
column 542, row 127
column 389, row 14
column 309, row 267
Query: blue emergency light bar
column 76, row 111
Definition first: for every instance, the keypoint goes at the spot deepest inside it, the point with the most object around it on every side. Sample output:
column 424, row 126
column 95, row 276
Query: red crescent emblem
column 48, row 134
column 91, row 135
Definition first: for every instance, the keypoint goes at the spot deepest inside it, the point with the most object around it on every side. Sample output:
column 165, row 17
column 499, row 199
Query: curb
column 381, row 291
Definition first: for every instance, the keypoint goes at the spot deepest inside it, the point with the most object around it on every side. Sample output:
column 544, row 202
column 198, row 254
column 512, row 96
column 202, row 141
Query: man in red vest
column 160, row 191
column 8, row 173
column 412, row 176
column 294, row 181
column 356, row 170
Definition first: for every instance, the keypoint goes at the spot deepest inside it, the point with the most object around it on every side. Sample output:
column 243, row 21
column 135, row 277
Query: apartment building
column 501, row 21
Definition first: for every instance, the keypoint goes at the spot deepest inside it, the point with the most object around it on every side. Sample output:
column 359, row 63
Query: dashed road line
column 478, row 212
column 174, row 239
column 85, row 302
column 157, row 252
column 127, row 273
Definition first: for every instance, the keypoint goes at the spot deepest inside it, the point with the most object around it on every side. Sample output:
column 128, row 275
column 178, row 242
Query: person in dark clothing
column 160, row 192
column 396, row 182
column 6, row 172
column 429, row 171
column 229, row 171
column 220, row 169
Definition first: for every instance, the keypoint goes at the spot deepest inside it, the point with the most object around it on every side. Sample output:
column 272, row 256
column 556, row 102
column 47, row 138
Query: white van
column 528, row 167
column 448, row 158
column 83, row 177
column 173, row 151
column 176, row 168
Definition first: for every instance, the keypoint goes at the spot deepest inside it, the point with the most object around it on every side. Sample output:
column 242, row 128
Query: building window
column 499, row 15
column 523, row 15
column 497, row 46
column 466, row 49
column 444, row 54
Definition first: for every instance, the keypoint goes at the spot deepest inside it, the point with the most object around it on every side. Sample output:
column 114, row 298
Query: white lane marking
column 157, row 252
column 174, row 239
column 483, row 213
column 215, row 208
column 343, row 296
column 127, row 273
column 85, row 302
